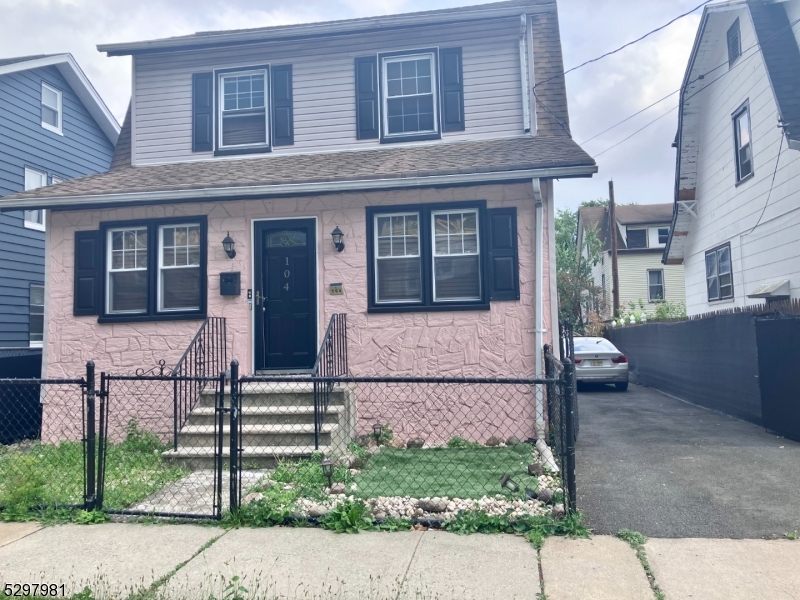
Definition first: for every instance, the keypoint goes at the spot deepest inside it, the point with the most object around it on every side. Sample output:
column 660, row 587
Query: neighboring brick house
column 417, row 135
column 642, row 232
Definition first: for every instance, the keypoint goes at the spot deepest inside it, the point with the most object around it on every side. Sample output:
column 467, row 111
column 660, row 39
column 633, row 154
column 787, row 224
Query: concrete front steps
column 277, row 424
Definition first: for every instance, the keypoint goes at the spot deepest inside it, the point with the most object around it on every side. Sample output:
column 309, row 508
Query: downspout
column 538, row 350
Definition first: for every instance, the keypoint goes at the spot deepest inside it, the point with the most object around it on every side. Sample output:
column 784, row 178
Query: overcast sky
column 599, row 95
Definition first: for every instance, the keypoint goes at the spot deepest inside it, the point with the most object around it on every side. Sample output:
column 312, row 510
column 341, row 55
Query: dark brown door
column 286, row 303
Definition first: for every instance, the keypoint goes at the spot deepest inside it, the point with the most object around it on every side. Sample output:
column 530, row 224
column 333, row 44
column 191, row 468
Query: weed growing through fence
column 637, row 542
column 535, row 529
column 463, row 471
column 350, row 516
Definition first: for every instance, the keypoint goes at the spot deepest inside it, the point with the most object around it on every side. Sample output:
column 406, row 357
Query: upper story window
column 34, row 219
column 663, row 236
column 242, row 101
column 719, row 276
column 742, row 143
column 51, row 109
column 637, row 238
column 409, row 95
column 734, row 42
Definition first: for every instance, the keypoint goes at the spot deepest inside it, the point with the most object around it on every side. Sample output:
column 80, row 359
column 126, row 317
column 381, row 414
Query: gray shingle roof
column 627, row 214
column 456, row 158
column 19, row 59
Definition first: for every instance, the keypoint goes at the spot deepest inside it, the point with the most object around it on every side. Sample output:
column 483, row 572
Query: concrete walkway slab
column 601, row 568
column 11, row 532
column 475, row 567
column 298, row 563
column 726, row 569
column 113, row 559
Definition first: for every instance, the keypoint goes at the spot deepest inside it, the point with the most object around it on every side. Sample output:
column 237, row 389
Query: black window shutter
column 452, row 89
column 282, row 111
column 202, row 112
column 88, row 273
column 367, row 97
column 503, row 255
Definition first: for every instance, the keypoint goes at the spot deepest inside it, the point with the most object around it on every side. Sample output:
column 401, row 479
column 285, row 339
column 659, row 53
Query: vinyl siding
column 633, row 285
column 324, row 87
column 83, row 149
column 727, row 213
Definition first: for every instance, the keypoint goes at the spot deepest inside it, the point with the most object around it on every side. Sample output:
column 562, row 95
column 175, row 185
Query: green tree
column 576, row 288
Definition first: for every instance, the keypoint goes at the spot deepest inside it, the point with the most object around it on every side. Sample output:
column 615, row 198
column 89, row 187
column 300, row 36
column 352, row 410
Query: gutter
column 292, row 189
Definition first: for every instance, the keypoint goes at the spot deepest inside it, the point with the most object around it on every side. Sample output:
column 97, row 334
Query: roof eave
column 79, row 83
column 294, row 189
column 330, row 28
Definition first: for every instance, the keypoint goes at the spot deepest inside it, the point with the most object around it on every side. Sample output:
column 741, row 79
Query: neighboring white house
column 642, row 232
column 736, row 220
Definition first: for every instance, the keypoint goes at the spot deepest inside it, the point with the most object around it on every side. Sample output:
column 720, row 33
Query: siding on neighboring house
column 83, row 149
column 727, row 213
column 633, row 286
column 324, row 87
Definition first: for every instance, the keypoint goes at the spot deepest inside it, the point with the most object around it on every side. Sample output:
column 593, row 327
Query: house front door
column 285, row 295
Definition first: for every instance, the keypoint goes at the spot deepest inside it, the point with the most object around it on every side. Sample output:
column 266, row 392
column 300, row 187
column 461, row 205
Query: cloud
column 599, row 95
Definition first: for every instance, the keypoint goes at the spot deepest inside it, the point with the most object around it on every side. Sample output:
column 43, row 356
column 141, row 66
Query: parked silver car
column 598, row 361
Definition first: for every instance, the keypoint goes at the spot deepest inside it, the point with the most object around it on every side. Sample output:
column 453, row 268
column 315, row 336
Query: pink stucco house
column 430, row 140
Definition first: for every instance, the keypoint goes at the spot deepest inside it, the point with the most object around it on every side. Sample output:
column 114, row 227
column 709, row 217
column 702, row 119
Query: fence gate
column 160, row 445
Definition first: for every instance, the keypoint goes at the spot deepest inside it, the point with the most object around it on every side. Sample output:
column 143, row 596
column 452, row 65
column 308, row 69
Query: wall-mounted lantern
column 228, row 244
column 338, row 239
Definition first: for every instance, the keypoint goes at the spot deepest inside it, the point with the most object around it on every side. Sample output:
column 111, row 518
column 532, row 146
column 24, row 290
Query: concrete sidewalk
column 189, row 561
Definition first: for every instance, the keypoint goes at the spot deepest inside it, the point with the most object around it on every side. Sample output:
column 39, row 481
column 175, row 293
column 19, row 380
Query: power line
column 771, row 185
column 635, row 132
column 629, row 118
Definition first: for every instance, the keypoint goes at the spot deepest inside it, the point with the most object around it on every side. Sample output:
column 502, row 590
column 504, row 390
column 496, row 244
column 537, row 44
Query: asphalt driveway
column 651, row 463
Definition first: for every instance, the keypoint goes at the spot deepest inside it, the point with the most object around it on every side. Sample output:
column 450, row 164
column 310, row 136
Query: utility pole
column 612, row 231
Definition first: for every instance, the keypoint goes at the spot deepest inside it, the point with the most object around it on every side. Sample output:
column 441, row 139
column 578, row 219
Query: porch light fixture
column 228, row 244
column 377, row 429
column 509, row 483
column 327, row 470
column 338, row 237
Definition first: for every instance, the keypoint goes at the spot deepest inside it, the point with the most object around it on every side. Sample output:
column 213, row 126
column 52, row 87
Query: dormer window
column 409, row 96
column 242, row 100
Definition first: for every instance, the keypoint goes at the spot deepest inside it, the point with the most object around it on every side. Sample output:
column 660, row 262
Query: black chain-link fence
column 42, row 449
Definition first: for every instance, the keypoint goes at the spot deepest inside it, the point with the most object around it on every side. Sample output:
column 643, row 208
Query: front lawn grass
column 34, row 474
column 470, row 472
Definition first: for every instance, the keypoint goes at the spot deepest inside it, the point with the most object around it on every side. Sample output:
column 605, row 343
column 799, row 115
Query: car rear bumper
column 609, row 378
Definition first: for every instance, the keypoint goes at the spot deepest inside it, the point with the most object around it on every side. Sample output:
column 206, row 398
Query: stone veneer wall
column 497, row 342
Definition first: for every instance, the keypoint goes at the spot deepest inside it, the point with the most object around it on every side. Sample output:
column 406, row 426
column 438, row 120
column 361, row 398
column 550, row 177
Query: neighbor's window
column 36, row 316
column 398, row 269
column 242, row 100
column 409, row 95
column 734, row 42
column 744, row 151
column 637, row 238
column 51, row 109
column 663, row 235
column 34, row 219
column 179, row 268
column 155, row 269
column 719, row 276
column 456, row 256
column 655, row 285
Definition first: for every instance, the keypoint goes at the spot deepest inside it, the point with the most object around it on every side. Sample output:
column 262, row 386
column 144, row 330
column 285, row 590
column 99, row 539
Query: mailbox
column 230, row 284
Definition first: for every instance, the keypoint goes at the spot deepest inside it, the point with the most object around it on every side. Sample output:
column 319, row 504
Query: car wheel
column 621, row 387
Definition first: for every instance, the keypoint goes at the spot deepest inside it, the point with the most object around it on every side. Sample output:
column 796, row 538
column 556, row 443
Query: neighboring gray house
column 53, row 127
column 642, row 231
column 736, row 220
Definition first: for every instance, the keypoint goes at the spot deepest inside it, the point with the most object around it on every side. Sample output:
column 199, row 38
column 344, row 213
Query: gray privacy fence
column 741, row 362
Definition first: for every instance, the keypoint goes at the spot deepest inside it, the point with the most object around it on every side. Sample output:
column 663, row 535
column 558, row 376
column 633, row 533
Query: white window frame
column 715, row 252
column 385, row 61
column 737, row 143
column 109, row 269
column 58, row 108
column 35, row 343
column 161, row 268
column 27, row 223
column 418, row 255
column 434, row 255
column 221, row 107
column 663, row 286
column 646, row 237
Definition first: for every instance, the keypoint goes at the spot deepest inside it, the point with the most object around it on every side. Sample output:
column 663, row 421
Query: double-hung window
column 655, row 285
column 409, row 96
column 154, row 269
column 34, row 219
column 719, row 276
column 52, row 99
column 742, row 143
column 427, row 258
column 243, row 120
column 36, row 316
column 663, row 236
